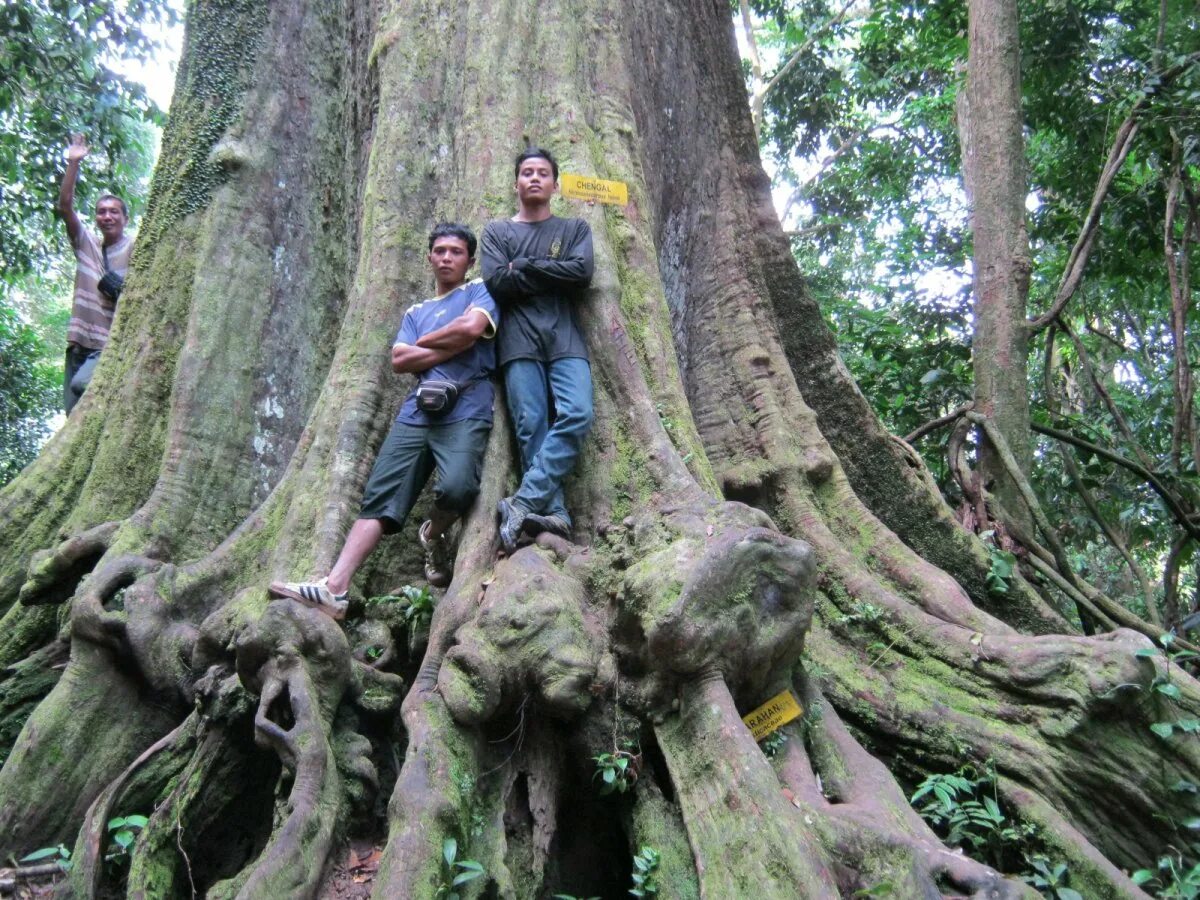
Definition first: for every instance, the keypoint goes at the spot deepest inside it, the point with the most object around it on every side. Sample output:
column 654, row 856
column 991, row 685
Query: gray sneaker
column 556, row 525
column 512, row 518
column 439, row 565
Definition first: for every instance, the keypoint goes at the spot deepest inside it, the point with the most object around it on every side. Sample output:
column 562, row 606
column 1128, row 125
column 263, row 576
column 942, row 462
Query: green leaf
column 1168, row 690
column 44, row 853
column 1066, row 893
column 1146, row 652
column 114, row 824
column 124, row 838
column 944, row 795
column 449, row 850
column 1141, row 876
column 1162, row 729
column 137, row 821
column 464, row 877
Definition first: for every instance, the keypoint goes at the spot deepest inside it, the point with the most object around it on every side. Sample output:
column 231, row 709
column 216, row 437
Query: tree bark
column 993, row 152
column 733, row 533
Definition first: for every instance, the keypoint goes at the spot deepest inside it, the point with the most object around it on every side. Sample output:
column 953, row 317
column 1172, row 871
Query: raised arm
column 76, row 151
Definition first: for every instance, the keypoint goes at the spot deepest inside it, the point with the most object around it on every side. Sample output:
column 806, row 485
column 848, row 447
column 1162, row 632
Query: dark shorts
column 410, row 454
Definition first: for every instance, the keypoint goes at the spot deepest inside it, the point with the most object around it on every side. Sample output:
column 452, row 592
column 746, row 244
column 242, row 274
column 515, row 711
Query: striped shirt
column 92, row 312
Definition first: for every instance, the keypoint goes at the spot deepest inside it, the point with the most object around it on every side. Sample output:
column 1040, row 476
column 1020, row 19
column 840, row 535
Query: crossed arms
column 512, row 280
column 442, row 344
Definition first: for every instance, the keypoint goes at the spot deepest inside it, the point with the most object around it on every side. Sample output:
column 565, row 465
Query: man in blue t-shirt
column 447, row 342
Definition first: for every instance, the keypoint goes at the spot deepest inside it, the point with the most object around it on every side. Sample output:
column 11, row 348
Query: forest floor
column 352, row 874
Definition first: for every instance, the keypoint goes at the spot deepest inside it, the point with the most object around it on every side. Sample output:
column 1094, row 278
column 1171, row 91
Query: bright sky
column 158, row 74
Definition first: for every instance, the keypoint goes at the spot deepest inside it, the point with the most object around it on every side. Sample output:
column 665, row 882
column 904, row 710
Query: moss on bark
column 232, row 426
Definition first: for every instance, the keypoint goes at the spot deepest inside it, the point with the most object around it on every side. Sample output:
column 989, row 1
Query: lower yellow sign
column 777, row 711
column 584, row 187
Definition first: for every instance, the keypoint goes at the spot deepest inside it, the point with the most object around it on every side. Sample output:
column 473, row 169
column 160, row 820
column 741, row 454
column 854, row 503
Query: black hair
column 535, row 153
column 453, row 229
column 124, row 205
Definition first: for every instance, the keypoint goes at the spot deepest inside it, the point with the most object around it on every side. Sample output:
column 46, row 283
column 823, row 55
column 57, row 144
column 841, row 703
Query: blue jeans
column 80, row 364
column 548, row 449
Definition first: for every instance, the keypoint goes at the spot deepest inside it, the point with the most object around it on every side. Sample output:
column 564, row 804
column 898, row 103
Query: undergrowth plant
column 964, row 808
column 122, row 831
column 645, row 873
column 773, row 743
column 416, row 602
column 618, row 771
column 1177, row 876
column 1163, row 687
column 59, row 854
column 1050, row 879
column 455, row 872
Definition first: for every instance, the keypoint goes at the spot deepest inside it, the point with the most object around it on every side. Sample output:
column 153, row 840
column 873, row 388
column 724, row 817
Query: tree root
column 529, row 637
column 1034, row 706
column 25, row 684
column 746, row 838
column 53, row 575
column 11, row 878
column 298, row 662
column 224, row 784
column 865, row 817
column 87, row 861
column 705, row 590
column 436, row 788
column 75, row 723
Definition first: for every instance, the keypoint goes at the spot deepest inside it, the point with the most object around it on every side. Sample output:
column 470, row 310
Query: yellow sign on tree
column 776, row 712
column 585, row 187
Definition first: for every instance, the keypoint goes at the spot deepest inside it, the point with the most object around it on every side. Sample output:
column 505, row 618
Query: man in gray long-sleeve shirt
column 537, row 265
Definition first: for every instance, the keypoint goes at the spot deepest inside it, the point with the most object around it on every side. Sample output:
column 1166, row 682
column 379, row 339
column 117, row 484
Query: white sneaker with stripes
column 314, row 594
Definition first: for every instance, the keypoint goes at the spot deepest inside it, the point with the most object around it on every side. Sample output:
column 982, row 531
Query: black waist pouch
column 437, row 398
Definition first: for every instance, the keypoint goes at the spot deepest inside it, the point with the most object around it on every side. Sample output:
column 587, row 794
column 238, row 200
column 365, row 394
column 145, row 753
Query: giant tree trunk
column 993, row 152
column 723, row 552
